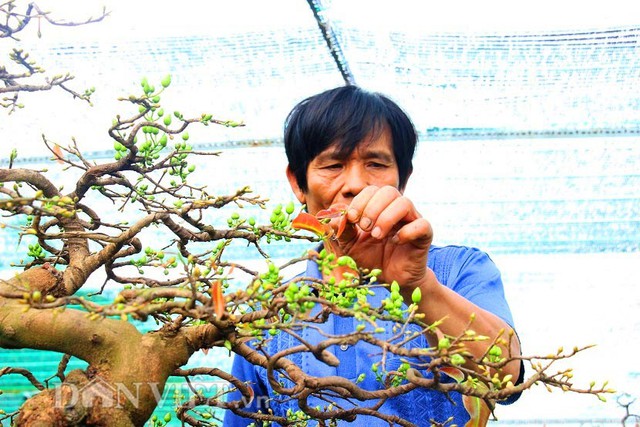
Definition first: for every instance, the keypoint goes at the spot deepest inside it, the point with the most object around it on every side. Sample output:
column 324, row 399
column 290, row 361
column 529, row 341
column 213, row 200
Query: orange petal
column 57, row 152
column 454, row 373
column 251, row 394
column 341, row 226
column 478, row 410
column 306, row 221
column 218, row 299
column 334, row 211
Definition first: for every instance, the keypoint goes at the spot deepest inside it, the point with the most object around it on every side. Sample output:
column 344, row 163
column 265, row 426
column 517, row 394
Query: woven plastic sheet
column 254, row 61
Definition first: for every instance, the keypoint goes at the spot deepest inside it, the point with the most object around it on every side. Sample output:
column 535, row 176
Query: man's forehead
column 366, row 149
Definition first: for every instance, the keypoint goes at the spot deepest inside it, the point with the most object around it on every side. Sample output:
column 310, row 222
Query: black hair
column 345, row 116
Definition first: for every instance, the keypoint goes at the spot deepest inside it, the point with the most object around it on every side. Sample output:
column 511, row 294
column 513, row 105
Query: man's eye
column 377, row 165
column 333, row 166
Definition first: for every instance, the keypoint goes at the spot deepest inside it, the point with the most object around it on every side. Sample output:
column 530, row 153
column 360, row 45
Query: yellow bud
column 65, row 200
column 36, row 296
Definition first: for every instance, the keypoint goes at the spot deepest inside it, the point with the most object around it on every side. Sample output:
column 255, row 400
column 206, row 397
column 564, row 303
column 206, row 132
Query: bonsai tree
column 185, row 283
column 162, row 251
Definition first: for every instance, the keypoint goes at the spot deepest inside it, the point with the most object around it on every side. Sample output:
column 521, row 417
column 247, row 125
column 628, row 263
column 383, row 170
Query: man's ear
column 293, row 182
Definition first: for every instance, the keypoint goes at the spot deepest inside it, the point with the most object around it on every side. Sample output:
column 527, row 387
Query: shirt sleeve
column 475, row 276
column 246, row 372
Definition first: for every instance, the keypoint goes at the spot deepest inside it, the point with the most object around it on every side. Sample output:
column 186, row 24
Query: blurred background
column 528, row 116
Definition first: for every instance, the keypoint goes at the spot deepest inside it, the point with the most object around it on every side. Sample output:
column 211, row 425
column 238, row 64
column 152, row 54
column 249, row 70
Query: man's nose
column 355, row 180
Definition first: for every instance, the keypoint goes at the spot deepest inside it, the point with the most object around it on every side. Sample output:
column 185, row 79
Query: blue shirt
column 467, row 271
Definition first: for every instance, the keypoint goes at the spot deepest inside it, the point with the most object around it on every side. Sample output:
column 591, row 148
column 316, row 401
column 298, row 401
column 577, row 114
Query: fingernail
column 365, row 223
column 395, row 239
column 352, row 214
column 376, row 233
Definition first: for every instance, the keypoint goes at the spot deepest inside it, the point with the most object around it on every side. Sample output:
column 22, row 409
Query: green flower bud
column 166, row 81
column 444, row 343
column 457, row 359
column 290, row 208
column 416, row 296
column 395, row 288
column 495, row 351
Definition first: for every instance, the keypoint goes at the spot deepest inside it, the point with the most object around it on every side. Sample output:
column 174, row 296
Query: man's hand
column 384, row 230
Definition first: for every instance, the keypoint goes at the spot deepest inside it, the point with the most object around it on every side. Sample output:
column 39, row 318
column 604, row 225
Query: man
column 352, row 147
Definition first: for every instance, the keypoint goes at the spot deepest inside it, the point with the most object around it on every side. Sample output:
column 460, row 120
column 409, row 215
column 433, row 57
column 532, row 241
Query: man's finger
column 377, row 203
column 395, row 215
column 359, row 202
column 418, row 233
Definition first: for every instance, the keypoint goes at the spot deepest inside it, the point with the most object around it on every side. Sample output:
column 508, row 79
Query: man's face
column 332, row 180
